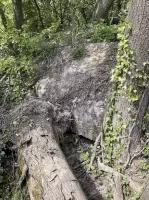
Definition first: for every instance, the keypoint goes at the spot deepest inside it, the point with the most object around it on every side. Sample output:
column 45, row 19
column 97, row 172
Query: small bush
column 101, row 32
column 78, row 52
column 19, row 52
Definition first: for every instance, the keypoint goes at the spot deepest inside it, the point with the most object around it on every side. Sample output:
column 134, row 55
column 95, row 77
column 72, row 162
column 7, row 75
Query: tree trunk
column 3, row 18
column 102, row 8
column 41, row 159
column 139, row 42
column 39, row 13
column 18, row 13
column 139, row 39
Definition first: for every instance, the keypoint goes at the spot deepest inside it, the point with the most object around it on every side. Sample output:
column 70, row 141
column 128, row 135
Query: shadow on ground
column 73, row 147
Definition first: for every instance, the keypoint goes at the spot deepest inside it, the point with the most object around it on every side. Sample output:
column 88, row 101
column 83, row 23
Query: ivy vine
column 128, row 82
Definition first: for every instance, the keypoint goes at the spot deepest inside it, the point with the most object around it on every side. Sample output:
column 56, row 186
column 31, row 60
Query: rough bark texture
column 139, row 38
column 103, row 6
column 118, row 192
column 18, row 13
column 137, row 128
column 139, row 42
column 48, row 173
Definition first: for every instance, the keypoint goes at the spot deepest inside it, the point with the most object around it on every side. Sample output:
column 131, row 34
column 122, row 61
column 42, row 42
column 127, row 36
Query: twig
column 82, row 163
column 136, row 155
column 3, row 77
column 117, row 193
column 94, row 150
column 107, row 169
column 100, row 136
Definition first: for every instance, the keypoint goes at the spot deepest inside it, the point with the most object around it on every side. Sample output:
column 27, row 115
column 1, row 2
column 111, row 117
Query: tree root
column 130, row 159
column 118, row 194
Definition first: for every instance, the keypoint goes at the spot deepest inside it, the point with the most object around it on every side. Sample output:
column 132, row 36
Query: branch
column 95, row 149
column 118, row 191
column 135, row 133
column 110, row 170
column 130, row 159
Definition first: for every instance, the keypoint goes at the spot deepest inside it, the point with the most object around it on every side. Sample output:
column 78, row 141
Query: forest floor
column 78, row 151
column 96, row 184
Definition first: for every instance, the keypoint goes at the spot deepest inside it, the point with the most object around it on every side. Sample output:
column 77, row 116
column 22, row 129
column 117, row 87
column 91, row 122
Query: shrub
column 19, row 52
column 101, row 32
column 78, row 52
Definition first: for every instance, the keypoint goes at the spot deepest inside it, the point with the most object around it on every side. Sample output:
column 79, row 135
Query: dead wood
column 49, row 175
column 118, row 192
column 110, row 170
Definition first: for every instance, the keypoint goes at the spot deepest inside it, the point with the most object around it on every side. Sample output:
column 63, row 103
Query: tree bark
column 139, row 42
column 139, row 38
column 137, row 128
column 48, row 173
column 102, row 8
column 18, row 13
column 118, row 191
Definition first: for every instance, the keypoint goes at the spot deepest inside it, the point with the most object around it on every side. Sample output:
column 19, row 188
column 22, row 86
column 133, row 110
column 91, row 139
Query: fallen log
column 48, row 174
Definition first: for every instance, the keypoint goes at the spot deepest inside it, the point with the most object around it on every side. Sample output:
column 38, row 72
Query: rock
column 145, row 194
column 80, row 86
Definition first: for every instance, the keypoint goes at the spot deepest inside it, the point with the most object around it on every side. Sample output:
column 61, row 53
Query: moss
column 37, row 192
column 21, row 194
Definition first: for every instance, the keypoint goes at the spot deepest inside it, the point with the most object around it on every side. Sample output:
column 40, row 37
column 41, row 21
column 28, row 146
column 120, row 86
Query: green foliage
column 109, row 194
column 85, row 156
column 126, row 188
column 57, row 37
column 21, row 50
column 130, row 82
column 78, row 52
column 144, row 163
column 21, row 194
column 125, row 84
column 16, row 66
column 118, row 12
column 102, row 32
column 19, row 53
column 125, row 59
